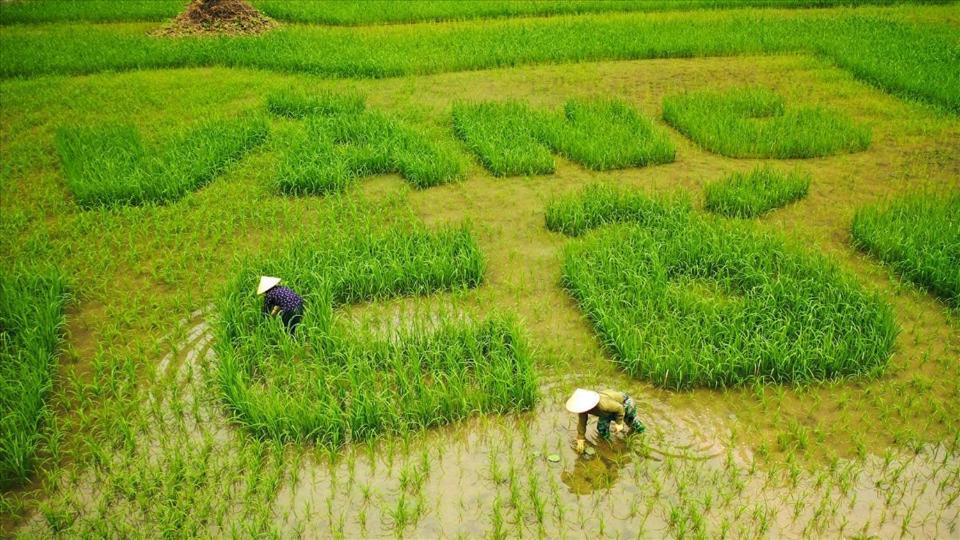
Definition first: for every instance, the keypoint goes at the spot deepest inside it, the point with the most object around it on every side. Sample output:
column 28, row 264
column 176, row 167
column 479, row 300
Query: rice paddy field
column 745, row 214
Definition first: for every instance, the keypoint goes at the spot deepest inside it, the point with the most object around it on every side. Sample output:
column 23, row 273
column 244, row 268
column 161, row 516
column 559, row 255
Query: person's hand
column 581, row 445
column 617, row 427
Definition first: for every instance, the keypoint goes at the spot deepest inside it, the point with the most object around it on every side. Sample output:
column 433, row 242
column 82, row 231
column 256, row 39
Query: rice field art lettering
column 752, row 194
column 333, row 384
column 770, row 281
column 918, row 234
column 511, row 138
column 336, row 149
column 31, row 321
column 691, row 302
column 754, row 122
column 108, row 165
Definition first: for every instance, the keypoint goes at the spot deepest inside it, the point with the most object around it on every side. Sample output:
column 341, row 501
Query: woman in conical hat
column 608, row 406
column 282, row 301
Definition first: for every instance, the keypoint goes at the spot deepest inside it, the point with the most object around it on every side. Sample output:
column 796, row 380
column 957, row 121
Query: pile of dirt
column 210, row 17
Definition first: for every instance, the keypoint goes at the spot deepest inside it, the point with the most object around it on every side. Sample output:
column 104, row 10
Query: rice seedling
column 31, row 317
column 333, row 12
column 701, row 303
column 755, row 123
column 336, row 151
column 108, row 166
column 331, row 384
column 891, row 53
column 298, row 103
column 601, row 204
column 755, row 193
column 510, row 138
column 505, row 137
column 919, row 236
column 604, row 134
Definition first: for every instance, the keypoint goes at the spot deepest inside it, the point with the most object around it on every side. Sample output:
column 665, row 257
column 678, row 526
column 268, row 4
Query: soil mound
column 210, row 17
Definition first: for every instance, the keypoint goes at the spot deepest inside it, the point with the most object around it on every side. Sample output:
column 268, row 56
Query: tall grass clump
column 748, row 195
column 298, row 103
column 911, row 60
column 510, row 138
column 335, row 151
column 108, row 166
column 332, row 383
column 919, row 236
column 31, row 318
column 506, row 137
column 604, row 134
column 703, row 303
column 600, row 204
column 337, row 12
column 755, row 123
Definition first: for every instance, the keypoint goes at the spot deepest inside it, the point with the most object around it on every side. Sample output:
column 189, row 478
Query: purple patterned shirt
column 285, row 298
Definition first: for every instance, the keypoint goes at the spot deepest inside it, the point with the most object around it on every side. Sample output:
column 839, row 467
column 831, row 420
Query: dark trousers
column 629, row 417
column 291, row 319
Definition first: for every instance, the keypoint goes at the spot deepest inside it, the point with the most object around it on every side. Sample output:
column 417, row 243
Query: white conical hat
column 267, row 283
column 582, row 400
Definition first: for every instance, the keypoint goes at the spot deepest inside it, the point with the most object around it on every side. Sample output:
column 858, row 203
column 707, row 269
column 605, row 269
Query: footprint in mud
column 184, row 366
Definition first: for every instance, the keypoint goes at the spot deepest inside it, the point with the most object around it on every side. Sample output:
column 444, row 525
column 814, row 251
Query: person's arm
column 620, row 413
column 270, row 306
column 582, row 425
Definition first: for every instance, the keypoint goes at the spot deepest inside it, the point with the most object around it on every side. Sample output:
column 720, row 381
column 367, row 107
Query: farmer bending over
column 281, row 301
column 608, row 406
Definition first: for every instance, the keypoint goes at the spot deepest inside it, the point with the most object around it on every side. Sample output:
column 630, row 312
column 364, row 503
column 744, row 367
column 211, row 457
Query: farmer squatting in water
column 609, row 406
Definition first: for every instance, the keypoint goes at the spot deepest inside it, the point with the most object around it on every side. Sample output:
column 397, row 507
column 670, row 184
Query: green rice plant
column 755, row 193
column 31, row 318
column 506, row 137
column 336, row 12
column 298, row 103
column 919, row 236
column 696, row 302
column 601, row 204
column 336, row 151
column 903, row 58
column 510, row 138
column 604, row 134
column 333, row 383
column 755, row 123
column 107, row 166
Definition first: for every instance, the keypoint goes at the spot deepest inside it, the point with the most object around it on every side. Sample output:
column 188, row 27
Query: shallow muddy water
column 493, row 476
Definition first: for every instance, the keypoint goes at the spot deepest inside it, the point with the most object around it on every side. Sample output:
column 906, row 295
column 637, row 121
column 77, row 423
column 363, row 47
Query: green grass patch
column 604, row 134
column 755, row 123
column 748, row 195
column 914, row 61
column 599, row 204
column 31, row 318
column 510, row 138
column 378, row 11
column 696, row 302
column 506, row 137
column 299, row 103
column 108, row 166
column 333, row 383
column 334, row 152
column 919, row 236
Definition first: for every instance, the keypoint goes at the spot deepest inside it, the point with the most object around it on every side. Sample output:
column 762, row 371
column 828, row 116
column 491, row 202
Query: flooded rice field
column 492, row 477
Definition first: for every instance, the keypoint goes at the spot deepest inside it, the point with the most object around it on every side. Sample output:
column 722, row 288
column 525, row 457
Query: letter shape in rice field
column 334, row 382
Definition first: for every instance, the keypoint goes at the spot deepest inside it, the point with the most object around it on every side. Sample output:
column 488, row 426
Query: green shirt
column 610, row 406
